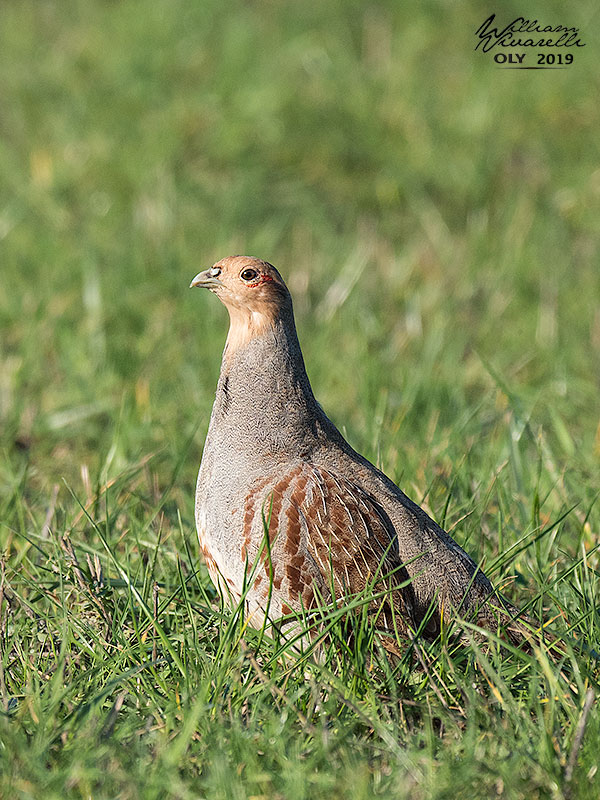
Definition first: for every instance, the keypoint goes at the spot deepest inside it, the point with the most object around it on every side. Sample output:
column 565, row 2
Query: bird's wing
column 326, row 531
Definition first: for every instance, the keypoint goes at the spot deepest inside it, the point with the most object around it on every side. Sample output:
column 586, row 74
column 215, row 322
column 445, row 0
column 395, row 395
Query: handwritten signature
column 507, row 37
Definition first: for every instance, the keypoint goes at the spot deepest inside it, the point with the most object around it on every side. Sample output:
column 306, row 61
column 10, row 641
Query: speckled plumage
column 272, row 457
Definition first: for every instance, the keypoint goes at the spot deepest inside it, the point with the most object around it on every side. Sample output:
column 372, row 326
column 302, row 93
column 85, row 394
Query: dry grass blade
column 578, row 739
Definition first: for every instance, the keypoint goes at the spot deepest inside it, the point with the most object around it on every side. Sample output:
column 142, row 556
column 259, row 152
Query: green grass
column 438, row 223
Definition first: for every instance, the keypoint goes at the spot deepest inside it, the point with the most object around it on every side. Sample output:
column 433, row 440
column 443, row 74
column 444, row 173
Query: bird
column 289, row 515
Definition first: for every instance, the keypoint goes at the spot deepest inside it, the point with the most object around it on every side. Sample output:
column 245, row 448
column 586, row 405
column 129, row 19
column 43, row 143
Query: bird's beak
column 205, row 280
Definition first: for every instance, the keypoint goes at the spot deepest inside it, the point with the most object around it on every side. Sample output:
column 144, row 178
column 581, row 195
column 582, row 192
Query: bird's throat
column 245, row 325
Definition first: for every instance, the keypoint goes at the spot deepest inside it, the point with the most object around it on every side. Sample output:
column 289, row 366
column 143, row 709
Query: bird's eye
column 248, row 274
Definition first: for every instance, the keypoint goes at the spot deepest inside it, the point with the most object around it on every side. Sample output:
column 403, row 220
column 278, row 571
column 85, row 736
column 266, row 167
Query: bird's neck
column 264, row 396
column 246, row 324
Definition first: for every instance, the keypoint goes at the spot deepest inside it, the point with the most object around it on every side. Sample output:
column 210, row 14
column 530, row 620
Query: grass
column 437, row 222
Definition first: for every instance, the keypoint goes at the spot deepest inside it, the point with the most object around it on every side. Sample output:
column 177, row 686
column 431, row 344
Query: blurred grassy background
column 437, row 220
column 424, row 206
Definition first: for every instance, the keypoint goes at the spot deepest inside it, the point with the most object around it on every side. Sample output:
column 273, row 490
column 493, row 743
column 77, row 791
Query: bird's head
column 253, row 292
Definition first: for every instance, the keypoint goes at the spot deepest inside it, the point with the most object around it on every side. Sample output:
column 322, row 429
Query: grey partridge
column 274, row 463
